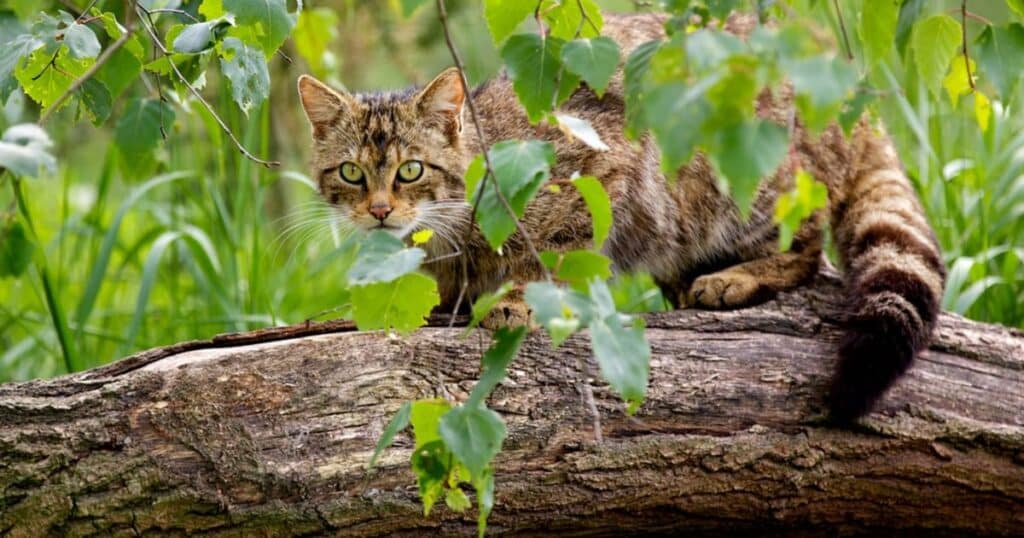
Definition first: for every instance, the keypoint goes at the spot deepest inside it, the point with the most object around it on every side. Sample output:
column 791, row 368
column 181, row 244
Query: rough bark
column 252, row 434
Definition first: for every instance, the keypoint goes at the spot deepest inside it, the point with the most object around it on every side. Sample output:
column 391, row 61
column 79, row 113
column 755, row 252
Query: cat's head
column 390, row 160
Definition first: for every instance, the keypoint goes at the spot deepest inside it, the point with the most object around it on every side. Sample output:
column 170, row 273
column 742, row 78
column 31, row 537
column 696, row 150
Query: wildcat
column 395, row 161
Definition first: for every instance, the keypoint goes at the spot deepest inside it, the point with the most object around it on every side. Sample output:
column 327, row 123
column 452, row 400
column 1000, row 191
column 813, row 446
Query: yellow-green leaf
column 982, row 110
column 958, row 81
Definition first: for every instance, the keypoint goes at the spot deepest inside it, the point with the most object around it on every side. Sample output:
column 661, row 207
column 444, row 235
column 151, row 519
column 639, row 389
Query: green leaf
column 430, row 464
column 877, row 28
column 316, row 29
column 503, row 16
column 96, row 99
column 457, row 500
column 24, row 150
column 637, row 293
column 671, row 111
column 520, row 168
column 120, row 72
column 140, row 129
column 397, row 423
column 999, row 52
column 982, row 110
column 560, row 311
column 566, row 18
column 622, row 352
column 747, row 151
column 577, row 267
column 1017, row 6
column 958, row 81
column 634, row 73
column 195, row 38
column 211, row 9
column 934, row 42
column 271, row 18
column 383, row 258
column 720, row 9
column 410, row 6
column 533, row 64
column 495, row 363
column 425, row 417
column 45, row 82
column 791, row 208
column 485, row 303
column 707, row 49
column 81, row 41
column 123, row 68
column 13, row 52
column 16, row 248
column 821, row 84
column 246, row 68
column 594, row 60
column 599, row 205
column 474, row 434
column 402, row 305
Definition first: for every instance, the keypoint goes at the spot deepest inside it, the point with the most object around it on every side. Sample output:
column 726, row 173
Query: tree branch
column 253, row 433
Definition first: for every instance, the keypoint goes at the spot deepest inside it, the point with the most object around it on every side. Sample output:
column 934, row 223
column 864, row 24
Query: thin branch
column 89, row 73
column 587, row 392
column 972, row 16
column 967, row 58
column 195, row 93
column 489, row 172
column 180, row 12
column 842, row 28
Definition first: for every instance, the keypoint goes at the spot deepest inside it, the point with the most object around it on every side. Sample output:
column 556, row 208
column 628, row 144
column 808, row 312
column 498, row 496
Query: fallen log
column 269, row 433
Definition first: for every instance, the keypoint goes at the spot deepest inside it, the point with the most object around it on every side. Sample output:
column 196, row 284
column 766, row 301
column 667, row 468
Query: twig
column 842, row 28
column 587, row 392
column 180, row 12
column 489, row 172
column 963, row 27
column 80, row 81
column 973, row 16
column 195, row 93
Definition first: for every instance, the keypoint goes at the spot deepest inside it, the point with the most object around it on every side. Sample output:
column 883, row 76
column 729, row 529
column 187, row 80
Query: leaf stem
column 967, row 58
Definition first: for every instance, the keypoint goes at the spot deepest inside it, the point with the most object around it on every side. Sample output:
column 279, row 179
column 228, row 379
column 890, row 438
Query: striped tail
column 894, row 275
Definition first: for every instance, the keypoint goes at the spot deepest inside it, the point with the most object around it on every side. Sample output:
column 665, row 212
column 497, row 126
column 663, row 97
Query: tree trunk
column 269, row 433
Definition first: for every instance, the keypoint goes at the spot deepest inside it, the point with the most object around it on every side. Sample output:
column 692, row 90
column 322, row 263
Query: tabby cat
column 395, row 161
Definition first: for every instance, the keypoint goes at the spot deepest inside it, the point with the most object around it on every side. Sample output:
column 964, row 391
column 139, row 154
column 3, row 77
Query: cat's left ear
column 443, row 98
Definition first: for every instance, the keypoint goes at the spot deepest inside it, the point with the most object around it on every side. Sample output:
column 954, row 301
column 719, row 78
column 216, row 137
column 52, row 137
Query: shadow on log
column 268, row 433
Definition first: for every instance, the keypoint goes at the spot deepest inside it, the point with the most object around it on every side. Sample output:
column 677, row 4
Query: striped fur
column 688, row 235
column 894, row 275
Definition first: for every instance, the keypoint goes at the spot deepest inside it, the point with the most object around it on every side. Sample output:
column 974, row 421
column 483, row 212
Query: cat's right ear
column 322, row 104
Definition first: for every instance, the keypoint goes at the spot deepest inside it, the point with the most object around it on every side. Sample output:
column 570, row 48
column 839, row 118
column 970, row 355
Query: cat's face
column 390, row 161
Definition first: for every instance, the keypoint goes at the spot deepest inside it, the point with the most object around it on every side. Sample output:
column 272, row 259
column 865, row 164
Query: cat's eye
column 351, row 173
column 410, row 171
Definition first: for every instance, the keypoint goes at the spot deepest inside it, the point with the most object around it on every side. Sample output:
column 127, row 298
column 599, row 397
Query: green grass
column 211, row 242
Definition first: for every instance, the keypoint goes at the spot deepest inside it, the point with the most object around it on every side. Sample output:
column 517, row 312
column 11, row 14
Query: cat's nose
column 381, row 211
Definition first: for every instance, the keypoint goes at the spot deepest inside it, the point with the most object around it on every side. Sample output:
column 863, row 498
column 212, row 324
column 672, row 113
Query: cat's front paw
column 509, row 313
column 726, row 290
